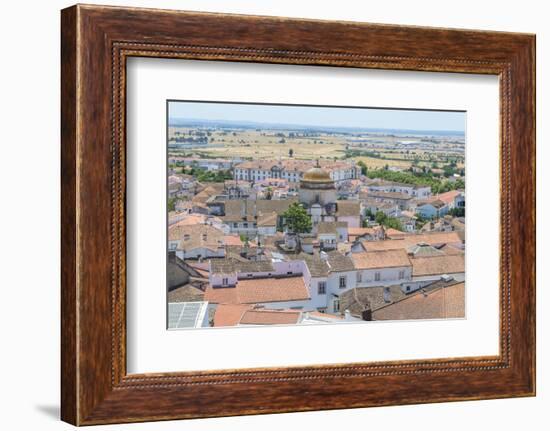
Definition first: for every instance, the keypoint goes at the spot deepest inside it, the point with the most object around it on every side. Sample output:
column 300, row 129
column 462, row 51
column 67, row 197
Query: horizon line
column 313, row 126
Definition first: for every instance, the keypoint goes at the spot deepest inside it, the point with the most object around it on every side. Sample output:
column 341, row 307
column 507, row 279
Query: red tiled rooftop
column 253, row 291
column 449, row 197
column 232, row 240
column 229, row 314
column 409, row 240
column 443, row 303
column 270, row 317
column 435, row 265
column 381, row 259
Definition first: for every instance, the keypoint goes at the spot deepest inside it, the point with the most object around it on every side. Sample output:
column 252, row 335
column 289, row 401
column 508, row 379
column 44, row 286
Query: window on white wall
column 342, row 282
column 376, row 276
column 322, row 287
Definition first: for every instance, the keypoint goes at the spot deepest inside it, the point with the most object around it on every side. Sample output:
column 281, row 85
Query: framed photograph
column 325, row 215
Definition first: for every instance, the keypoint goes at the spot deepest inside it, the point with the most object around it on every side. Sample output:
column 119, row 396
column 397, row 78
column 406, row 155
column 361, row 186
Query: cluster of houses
column 233, row 261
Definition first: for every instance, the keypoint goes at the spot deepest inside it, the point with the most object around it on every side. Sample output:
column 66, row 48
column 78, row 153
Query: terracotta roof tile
column 449, row 197
column 272, row 290
column 229, row 314
column 435, row 265
column 409, row 240
column 436, row 203
column 381, row 259
column 190, row 219
column 204, row 195
column 362, row 298
column 253, row 291
column 317, row 267
column 270, row 317
column 196, row 235
column 269, row 219
column 231, row 265
column 185, row 293
column 221, row 295
column 326, row 228
column 324, row 315
column 348, row 208
column 354, row 232
column 339, row 263
column 255, row 209
column 232, row 240
column 441, row 303
column 451, row 249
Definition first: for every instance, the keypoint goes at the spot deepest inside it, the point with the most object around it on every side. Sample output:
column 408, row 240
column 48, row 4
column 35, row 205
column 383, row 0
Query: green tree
column 419, row 178
column 389, row 222
column 393, row 223
column 380, row 217
column 363, row 167
column 369, row 214
column 171, row 204
column 457, row 212
column 290, row 152
column 448, row 171
column 296, row 219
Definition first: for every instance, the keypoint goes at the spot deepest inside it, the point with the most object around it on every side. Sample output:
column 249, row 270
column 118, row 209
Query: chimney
column 347, row 315
column 366, row 314
column 387, row 294
column 323, row 255
column 172, row 256
column 244, row 252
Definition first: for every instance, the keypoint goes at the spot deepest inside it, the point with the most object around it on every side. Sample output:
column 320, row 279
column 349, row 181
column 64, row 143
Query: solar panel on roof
column 186, row 314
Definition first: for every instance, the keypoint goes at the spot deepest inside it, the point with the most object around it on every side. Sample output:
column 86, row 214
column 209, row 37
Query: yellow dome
column 317, row 175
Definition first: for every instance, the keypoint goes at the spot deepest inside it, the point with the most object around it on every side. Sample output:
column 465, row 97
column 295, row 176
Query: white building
column 427, row 270
column 332, row 273
column 208, row 164
column 382, row 268
column 432, row 209
column 195, row 241
column 416, row 191
column 292, row 170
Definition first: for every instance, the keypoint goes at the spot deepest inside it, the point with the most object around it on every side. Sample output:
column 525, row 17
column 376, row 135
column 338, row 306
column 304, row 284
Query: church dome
column 317, row 175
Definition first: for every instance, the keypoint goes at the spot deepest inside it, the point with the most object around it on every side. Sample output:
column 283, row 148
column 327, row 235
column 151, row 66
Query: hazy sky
column 321, row 116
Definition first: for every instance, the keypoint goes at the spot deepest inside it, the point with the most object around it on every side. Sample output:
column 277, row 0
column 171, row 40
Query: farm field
column 247, row 143
column 376, row 163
